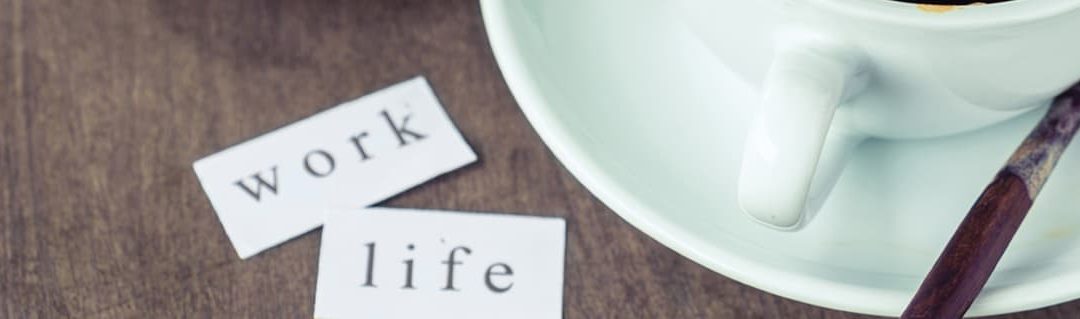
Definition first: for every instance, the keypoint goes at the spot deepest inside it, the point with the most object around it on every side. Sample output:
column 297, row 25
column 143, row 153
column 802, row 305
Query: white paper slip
column 404, row 263
column 276, row 186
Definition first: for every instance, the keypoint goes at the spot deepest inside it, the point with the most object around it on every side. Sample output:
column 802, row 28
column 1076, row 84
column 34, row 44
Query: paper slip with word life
column 405, row 263
column 277, row 186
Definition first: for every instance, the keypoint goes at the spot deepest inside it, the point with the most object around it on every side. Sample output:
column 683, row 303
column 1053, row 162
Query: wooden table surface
column 104, row 105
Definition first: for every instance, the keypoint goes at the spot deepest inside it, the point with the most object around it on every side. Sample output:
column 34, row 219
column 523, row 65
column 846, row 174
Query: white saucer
column 652, row 123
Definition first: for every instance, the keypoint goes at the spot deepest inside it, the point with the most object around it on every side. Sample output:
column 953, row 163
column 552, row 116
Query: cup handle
column 788, row 165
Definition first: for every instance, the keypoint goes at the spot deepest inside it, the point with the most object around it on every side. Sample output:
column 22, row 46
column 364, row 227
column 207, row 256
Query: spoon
column 978, row 243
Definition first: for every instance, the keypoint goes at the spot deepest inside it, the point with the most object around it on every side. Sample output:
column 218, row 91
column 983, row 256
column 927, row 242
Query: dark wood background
column 104, row 105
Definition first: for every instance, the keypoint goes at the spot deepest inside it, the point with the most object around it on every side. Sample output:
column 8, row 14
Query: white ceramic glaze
column 646, row 117
column 889, row 69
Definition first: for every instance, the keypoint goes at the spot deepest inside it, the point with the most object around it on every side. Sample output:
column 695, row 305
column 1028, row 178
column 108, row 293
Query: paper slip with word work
column 278, row 185
column 406, row 263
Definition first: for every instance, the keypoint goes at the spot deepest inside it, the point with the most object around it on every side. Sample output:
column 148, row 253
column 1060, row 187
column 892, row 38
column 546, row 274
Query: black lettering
column 401, row 131
column 259, row 184
column 408, row 271
column 450, row 262
column 329, row 160
column 370, row 264
column 506, row 271
column 356, row 142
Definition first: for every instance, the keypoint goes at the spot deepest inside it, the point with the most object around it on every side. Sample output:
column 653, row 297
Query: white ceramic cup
column 836, row 72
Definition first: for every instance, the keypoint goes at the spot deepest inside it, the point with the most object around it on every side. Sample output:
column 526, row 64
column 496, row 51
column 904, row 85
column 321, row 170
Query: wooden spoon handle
column 978, row 243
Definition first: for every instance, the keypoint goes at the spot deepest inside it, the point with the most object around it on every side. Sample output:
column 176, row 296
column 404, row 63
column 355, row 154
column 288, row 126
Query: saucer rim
column 807, row 289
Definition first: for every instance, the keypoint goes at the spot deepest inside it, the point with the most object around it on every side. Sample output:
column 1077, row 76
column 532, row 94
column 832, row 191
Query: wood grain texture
column 104, row 105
